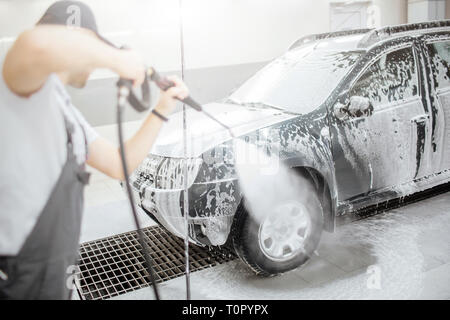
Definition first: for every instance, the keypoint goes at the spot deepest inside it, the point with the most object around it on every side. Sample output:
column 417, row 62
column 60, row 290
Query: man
column 45, row 142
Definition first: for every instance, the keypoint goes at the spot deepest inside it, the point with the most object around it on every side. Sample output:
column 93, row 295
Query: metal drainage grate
column 112, row 266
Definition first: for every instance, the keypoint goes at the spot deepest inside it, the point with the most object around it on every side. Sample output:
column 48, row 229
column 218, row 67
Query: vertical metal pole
column 185, row 167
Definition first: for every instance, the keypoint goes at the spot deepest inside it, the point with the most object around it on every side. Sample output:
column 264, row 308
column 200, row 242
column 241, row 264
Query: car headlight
column 164, row 173
column 159, row 182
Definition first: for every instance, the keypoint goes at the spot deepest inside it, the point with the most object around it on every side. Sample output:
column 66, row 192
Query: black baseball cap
column 72, row 13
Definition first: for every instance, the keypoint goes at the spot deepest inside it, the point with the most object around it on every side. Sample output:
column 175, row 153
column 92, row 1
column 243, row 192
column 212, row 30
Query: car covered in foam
column 363, row 115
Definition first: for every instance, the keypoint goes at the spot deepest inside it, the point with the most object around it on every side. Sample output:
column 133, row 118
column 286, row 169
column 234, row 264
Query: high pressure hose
column 123, row 95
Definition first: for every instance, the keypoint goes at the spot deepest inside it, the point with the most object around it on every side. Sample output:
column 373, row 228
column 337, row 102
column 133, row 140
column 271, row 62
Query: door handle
column 420, row 119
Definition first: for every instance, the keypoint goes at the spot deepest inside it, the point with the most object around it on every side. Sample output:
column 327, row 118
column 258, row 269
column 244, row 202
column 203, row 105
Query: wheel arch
column 324, row 191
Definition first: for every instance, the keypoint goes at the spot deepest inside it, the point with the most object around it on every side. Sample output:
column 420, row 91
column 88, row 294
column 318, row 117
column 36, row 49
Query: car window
column 392, row 77
column 440, row 59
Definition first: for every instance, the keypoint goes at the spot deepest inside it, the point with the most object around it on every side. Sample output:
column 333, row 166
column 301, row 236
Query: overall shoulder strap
column 69, row 130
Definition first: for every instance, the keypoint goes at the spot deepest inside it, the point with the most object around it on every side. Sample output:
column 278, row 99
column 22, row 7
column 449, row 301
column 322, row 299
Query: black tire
column 245, row 235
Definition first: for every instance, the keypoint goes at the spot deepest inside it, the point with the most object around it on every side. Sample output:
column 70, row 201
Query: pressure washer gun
column 164, row 84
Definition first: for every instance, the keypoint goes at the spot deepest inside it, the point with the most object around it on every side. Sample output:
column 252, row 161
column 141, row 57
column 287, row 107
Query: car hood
column 203, row 133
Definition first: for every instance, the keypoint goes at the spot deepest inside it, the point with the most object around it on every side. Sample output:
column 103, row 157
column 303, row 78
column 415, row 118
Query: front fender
column 305, row 144
column 323, row 180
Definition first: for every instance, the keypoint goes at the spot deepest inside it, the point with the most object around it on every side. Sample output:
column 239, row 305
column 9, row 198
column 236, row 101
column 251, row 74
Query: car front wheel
column 283, row 239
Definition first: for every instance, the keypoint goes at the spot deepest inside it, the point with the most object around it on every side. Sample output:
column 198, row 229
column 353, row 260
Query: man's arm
column 105, row 157
column 50, row 49
column 57, row 49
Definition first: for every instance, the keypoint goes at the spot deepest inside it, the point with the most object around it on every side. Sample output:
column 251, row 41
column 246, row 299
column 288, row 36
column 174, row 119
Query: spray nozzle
column 165, row 84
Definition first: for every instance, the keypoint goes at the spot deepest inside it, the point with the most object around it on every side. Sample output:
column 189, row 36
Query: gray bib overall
column 40, row 270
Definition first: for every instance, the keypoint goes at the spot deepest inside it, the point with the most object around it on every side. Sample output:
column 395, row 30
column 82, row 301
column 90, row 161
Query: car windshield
column 299, row 81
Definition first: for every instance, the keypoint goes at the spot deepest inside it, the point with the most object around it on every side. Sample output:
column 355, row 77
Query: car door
column 381, row 148
column 437, row 52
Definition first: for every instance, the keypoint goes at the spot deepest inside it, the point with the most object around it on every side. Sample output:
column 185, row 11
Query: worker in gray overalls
column 45, row 143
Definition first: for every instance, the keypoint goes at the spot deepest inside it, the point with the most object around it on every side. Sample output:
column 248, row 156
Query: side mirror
column 356, row 107
column 340, row 111
column 360, row 106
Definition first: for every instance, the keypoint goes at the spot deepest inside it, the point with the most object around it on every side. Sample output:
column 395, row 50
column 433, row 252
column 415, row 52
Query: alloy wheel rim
column 283, row 234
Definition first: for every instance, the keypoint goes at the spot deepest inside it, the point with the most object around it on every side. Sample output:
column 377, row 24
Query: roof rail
column 327, row 35
column 377, row 35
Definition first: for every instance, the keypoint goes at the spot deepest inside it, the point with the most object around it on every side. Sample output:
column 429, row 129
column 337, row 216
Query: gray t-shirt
column 32, row 153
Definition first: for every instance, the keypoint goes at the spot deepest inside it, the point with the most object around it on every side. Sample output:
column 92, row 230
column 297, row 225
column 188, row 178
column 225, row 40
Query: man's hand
column 131, row 66
column 167, row 99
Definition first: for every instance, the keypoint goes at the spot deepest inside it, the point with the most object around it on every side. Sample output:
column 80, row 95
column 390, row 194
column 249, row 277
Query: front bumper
column 158, row 188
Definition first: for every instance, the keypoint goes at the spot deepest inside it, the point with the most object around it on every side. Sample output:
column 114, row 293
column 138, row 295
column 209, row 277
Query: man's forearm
column 106, row 157
column 138, row 146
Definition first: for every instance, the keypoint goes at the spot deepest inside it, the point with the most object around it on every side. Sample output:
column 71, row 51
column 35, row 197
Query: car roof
column 343, row 43
column 364, row 39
